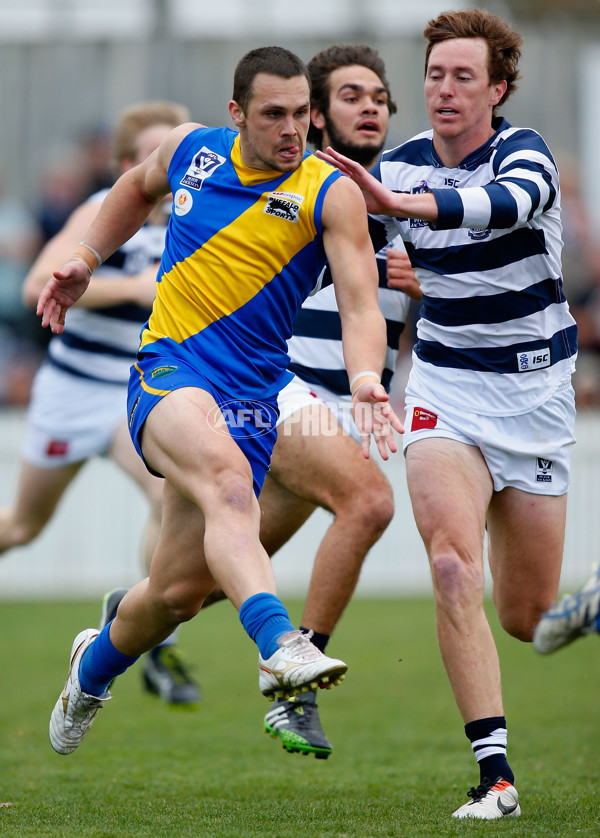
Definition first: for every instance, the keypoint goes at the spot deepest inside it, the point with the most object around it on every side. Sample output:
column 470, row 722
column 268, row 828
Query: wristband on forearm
column 86, row 253
column 357, row 382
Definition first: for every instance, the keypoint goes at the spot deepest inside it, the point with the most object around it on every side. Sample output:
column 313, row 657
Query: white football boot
column 75, row 711
column 297, row 666
column 490, row 800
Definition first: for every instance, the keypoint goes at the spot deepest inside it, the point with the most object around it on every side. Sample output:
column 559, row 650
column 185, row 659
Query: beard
column 362, row 154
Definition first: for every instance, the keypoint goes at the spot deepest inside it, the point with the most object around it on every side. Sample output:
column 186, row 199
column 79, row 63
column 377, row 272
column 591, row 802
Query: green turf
column 400, row 765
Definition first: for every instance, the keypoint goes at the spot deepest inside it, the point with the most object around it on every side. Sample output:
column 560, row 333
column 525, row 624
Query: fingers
column 365, row 442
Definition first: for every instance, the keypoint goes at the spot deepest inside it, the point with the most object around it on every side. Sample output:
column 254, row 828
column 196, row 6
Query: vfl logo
column 543, row 470
column 203, row 164
column 478, row 233
column 284, row 205
column 539, row 358
column 418, row 189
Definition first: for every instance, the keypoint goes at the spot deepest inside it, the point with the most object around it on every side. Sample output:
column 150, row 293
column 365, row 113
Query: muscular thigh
column 315, row 460
column 450, row 489
column 526, row 539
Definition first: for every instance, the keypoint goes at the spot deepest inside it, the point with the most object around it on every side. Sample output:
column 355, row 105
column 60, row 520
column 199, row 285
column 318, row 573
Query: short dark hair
column 504, row 44
column 276, row 61
column 325, row 62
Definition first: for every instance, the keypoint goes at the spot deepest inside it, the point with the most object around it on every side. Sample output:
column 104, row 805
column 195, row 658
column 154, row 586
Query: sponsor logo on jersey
column 57, row 448
column 478, row 233
column 160, row 372
column 284, row 205
column 418, row 189
column 543, row 470
column 535, row 360
column 182, row 202
column 422, row 419
column 203, row 164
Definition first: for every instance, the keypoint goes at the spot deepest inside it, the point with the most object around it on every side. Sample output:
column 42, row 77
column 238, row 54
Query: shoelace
column 301, row 645
column 480, row 792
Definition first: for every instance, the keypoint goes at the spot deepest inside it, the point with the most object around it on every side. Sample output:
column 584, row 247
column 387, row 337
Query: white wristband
column 362, row 374
column 94, row 251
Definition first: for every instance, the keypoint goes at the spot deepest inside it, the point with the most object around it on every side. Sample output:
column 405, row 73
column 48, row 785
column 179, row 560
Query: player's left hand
column 374, row 415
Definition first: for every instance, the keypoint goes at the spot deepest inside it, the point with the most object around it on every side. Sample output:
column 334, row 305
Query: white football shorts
column 298, row 394
column 71, row 418
column 531, row 451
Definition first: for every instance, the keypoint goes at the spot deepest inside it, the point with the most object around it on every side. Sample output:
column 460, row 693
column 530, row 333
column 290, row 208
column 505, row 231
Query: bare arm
column 379, row 199
column 352, row 262
column 124, row 210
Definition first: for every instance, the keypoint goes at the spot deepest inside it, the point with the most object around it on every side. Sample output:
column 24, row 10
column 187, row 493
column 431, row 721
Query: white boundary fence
column 93, row 542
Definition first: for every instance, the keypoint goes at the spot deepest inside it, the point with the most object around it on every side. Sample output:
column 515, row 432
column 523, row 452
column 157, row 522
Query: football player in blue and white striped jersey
column 490, row 407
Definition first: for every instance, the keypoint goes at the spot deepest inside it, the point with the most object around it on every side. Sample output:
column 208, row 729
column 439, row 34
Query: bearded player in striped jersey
column 490, row 407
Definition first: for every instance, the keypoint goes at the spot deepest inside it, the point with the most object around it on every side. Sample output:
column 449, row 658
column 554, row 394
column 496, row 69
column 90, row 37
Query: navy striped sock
column 488, row 740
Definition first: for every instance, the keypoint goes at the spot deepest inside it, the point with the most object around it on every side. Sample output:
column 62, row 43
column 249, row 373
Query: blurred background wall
column 68, row 67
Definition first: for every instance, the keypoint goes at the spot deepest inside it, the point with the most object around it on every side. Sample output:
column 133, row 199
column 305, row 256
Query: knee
column 457, row 580
column 519, row 619
column 180, row 603
column 18, row 535
column 234, row 491
column 372, row 508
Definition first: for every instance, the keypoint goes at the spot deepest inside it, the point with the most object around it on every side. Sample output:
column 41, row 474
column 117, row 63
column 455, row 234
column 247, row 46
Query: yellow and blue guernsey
column 243, row 250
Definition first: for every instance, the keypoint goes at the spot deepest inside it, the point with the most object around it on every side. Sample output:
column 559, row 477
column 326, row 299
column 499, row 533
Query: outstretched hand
column 62, row 290
column 373, row 414
column 379, row 199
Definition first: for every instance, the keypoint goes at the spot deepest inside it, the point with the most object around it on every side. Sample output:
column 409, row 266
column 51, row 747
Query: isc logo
column 535, row 360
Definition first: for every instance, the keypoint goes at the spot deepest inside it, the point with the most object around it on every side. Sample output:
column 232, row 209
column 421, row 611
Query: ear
column 317, row 118
column 236, row 114
column 497, row 92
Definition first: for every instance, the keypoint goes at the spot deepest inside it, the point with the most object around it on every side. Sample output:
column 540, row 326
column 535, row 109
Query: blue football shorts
column 252, row 424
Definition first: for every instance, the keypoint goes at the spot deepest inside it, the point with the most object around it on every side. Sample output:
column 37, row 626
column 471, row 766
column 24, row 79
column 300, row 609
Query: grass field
column 400, row 765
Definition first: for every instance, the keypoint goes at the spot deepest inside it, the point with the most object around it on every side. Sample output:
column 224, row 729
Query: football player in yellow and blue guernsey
column 255, row 218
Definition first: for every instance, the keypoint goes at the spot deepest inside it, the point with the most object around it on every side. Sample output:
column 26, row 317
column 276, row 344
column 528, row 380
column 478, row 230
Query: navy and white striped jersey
column 315, row 348
column 495, row 329
column 102, row 343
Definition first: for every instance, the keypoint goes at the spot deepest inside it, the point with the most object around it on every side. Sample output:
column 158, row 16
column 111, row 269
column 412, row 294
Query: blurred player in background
column 78, row 408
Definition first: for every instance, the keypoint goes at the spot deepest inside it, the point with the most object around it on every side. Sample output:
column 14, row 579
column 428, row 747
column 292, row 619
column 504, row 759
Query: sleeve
column 525, row 186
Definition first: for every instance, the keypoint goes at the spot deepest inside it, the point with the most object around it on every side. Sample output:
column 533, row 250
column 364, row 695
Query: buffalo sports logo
column 203, row 164
column 284, row 205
